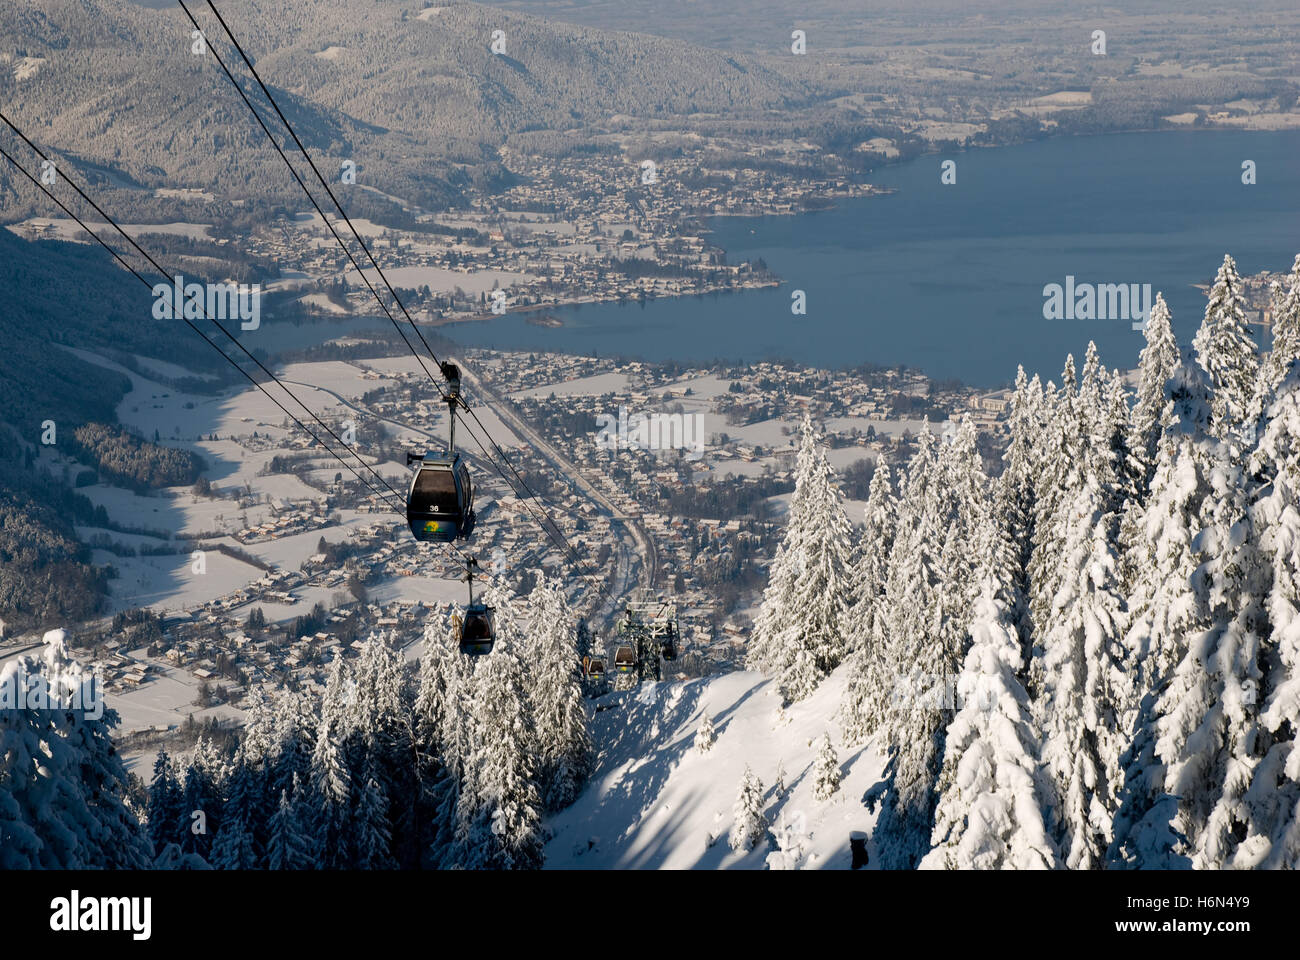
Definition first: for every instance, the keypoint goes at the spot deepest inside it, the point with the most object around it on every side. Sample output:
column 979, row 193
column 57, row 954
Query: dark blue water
column 950, row 278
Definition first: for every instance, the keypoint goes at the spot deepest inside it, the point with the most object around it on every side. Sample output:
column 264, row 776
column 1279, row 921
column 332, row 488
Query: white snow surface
column 655, row 802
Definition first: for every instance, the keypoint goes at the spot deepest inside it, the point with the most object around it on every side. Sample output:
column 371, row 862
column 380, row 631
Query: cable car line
column 116, row 255
column 475, row 629
column 553, row 529
column 440, row 505
column 158, row 267
column 323, row 182
column 480, row 610
column 352, row 259
column 324, row 218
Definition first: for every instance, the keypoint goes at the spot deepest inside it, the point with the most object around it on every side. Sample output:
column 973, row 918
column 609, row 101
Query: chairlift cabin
column 625, row 659
column 476, row 631
column 440, row 504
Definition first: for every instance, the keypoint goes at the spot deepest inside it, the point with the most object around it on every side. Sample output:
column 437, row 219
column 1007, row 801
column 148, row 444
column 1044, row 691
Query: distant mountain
column 412, row 92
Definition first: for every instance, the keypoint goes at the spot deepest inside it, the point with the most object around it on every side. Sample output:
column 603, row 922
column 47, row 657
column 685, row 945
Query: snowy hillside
column 655, row 801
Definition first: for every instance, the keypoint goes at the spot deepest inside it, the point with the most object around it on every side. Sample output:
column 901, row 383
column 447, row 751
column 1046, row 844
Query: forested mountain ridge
column 415, row 96
column 116, row 90
column 74, row 295
column 429, row 70
column 66, row 295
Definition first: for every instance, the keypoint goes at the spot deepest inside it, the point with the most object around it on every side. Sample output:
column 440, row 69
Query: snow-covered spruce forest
column 1089, row 661
column 1093, row 660
column 452, row 765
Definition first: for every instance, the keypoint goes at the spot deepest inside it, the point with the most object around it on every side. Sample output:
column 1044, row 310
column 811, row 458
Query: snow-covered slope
column 655, row 801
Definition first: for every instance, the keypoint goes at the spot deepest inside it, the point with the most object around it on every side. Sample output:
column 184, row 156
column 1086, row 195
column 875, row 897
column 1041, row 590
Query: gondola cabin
column 596, row 669
column 476, row 633
column 669, row 646
column 440, row 506
column 625, row 659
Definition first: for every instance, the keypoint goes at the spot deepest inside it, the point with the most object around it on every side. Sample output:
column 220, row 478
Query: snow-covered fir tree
column 499, row 807
column 555, row 694
column 927, row 610
column 816, row 637
column 1163, row 613
column 1156, row 365
column 1226, row 351
column 164, row 806
column 373, row 832
column 381, row 746
column 1272, row 801
column 1014, row 495
column 801, row 632
column 442, row 735
column 1058, row 471
column 234, row 847
column 992, row 790
column 63, row 783
column 749, row 824
column 826, row 770
column 331, row 779
column 202, row 783
column 295, row 734
column 705, row 735
column 1208, row 715
column 870, row 676
column 289, row 847
column 766, row 639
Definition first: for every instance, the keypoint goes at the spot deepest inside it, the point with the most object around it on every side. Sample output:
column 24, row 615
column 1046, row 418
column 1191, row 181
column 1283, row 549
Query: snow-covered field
column 889, row 428
column 170, row 582
column 442, row 279
column 65, row 228
column 332, row 375
column 597, row 385
column 323, row 303
column 410, row 589
column 655, row 801
column 768, row 433
column 705, row 388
